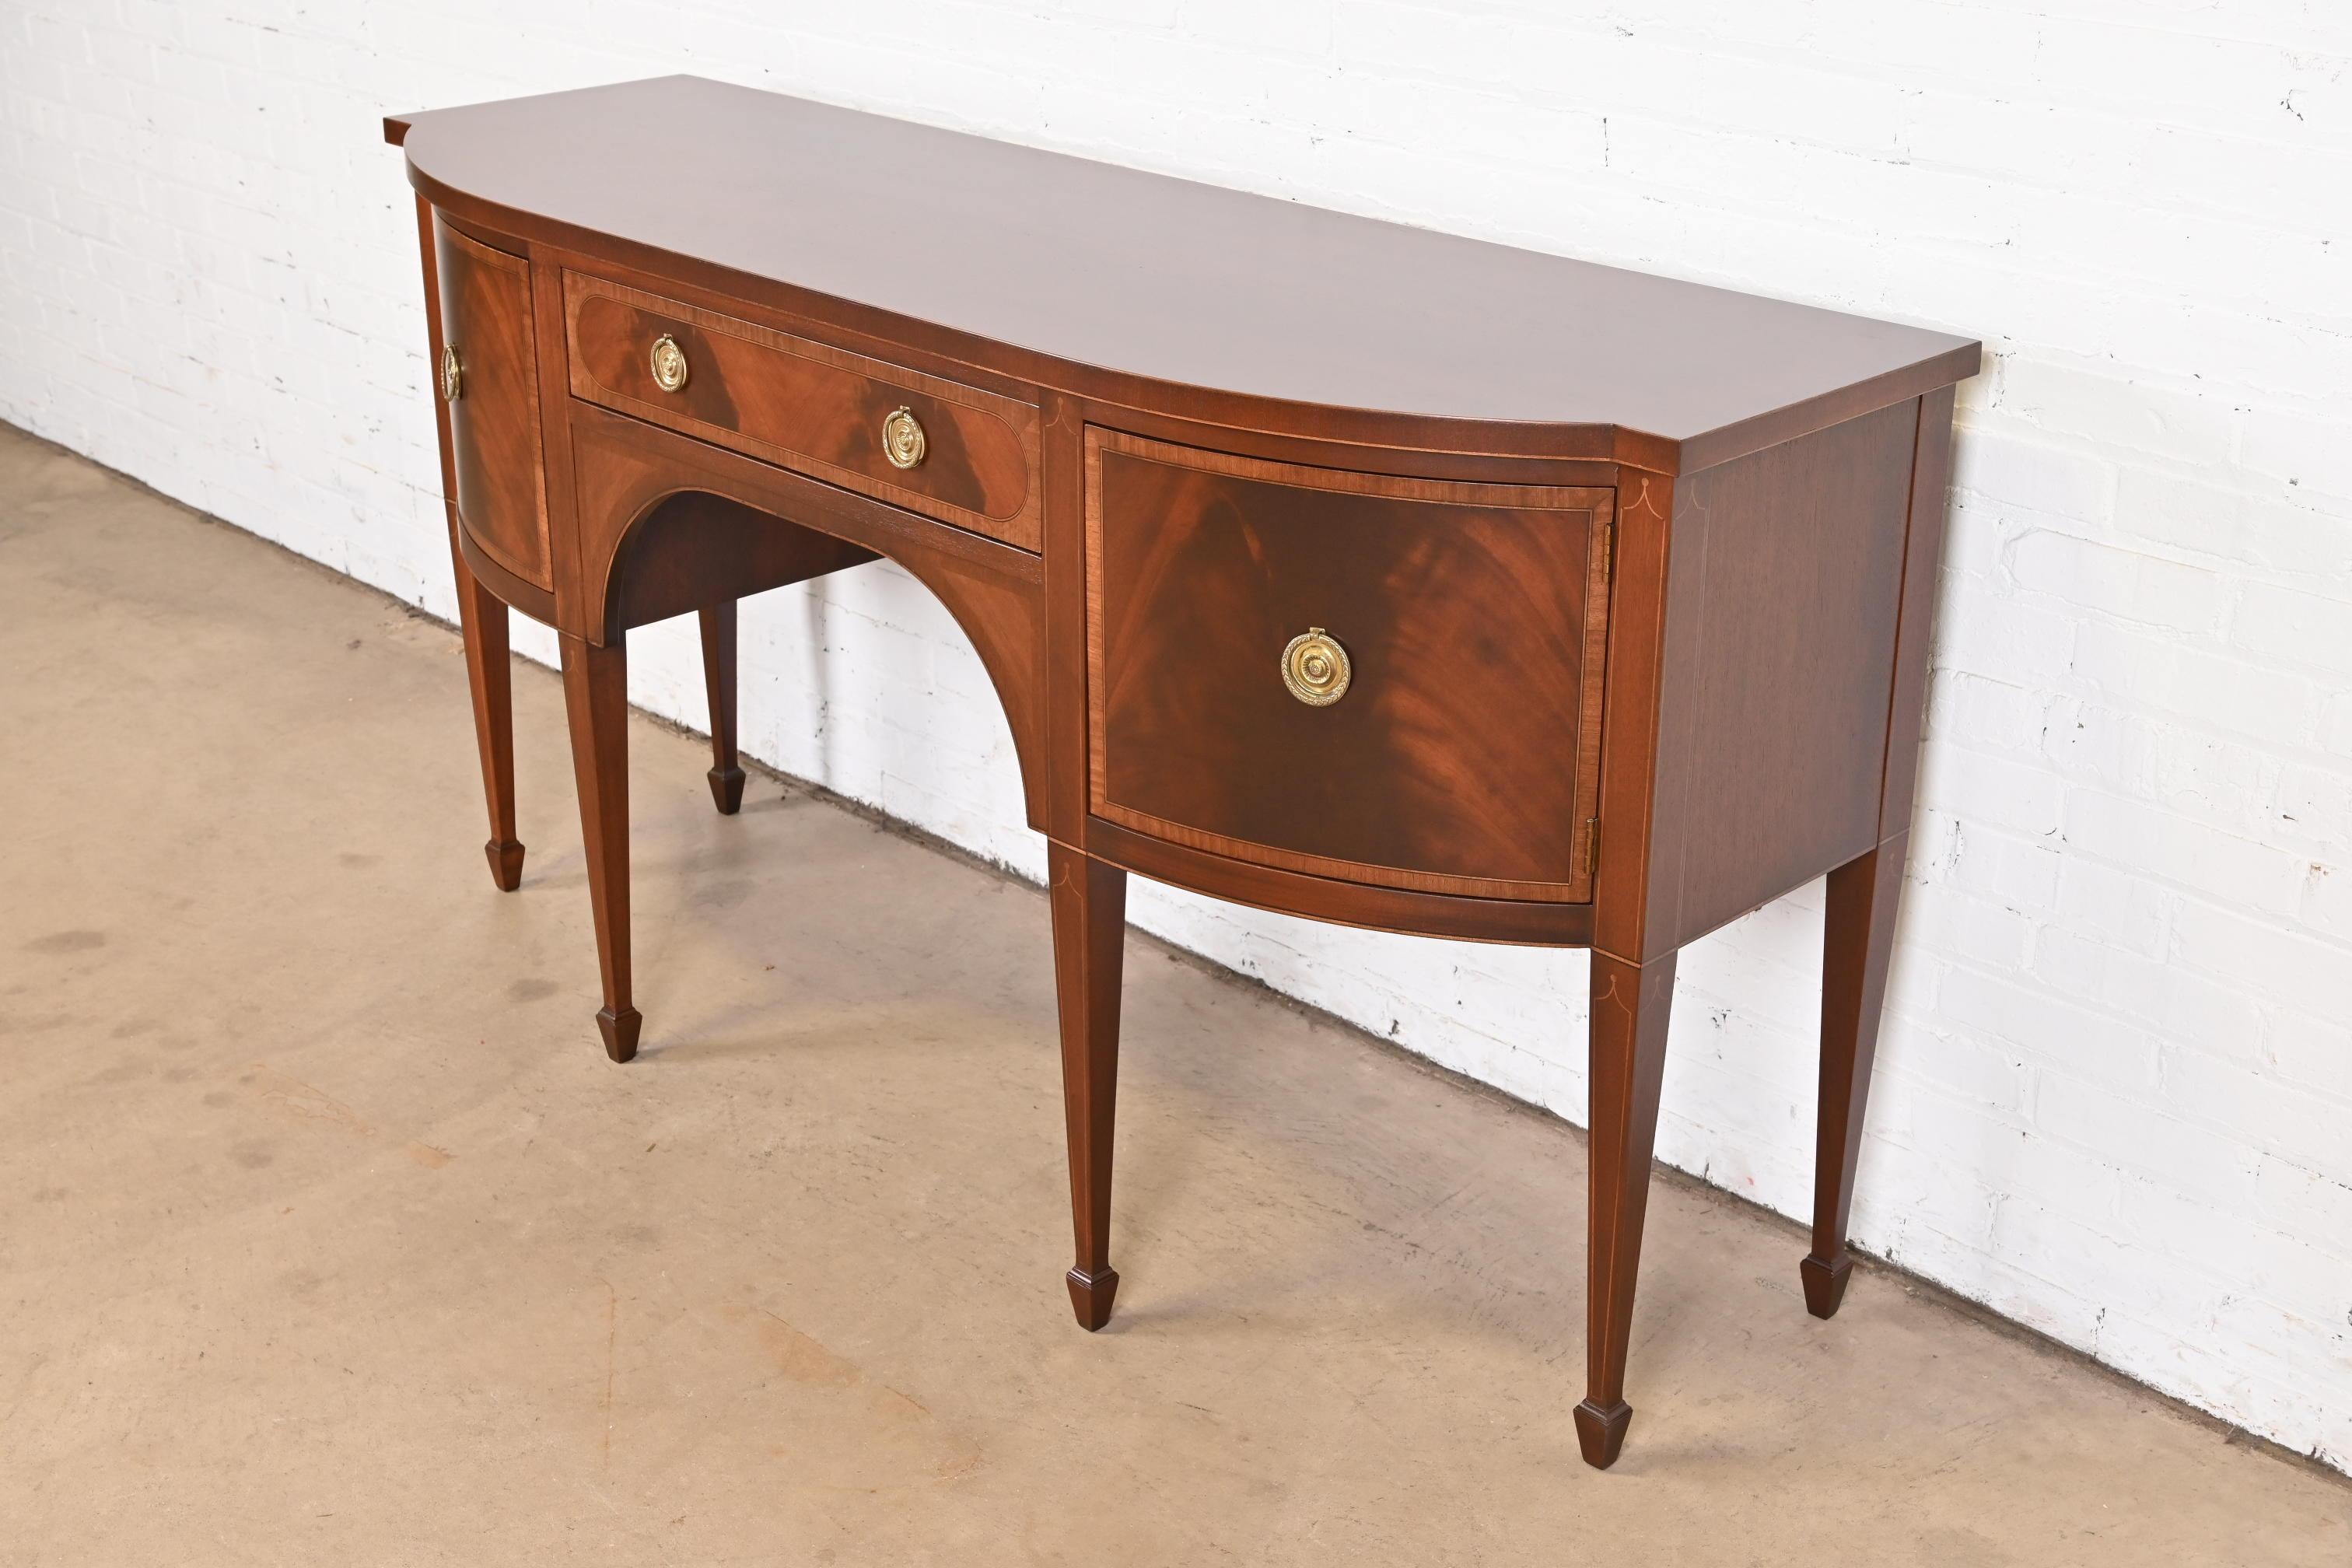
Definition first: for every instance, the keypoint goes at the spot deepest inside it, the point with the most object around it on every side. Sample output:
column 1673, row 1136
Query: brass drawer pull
column 453, row 375
column 669, row 363
column 1316, row 667
column 902, row 439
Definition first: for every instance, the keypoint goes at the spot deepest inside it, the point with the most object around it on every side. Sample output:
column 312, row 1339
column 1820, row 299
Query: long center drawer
column 933, row 445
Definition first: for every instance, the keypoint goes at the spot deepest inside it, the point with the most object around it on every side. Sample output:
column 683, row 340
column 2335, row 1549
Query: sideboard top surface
column 1144, row 275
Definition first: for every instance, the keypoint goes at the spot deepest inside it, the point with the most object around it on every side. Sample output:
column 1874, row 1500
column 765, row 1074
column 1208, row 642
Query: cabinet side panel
column 1923, row 555
column 1787, row 582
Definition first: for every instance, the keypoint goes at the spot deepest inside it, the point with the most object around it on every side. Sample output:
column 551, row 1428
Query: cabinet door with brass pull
column 1391, row 680
column 489, row 379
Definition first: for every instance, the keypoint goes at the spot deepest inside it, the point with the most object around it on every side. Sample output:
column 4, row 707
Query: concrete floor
column 328, row 1233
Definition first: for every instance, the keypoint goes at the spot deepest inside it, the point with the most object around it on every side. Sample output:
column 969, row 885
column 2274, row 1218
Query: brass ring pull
column 1316, row 667
column 453, row 375
column 902, row 439
column 669, row 363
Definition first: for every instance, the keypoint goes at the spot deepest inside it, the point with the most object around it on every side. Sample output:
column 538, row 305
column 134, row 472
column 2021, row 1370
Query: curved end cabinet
column 1390, row 578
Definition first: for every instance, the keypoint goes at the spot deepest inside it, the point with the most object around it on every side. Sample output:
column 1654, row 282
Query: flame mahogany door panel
column 1463, row 754
column 494, row 413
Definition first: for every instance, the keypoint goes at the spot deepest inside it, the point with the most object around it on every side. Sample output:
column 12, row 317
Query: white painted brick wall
column 2114, row 1098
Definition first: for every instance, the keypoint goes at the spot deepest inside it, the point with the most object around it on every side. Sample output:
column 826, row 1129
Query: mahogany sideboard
column 1372, row 575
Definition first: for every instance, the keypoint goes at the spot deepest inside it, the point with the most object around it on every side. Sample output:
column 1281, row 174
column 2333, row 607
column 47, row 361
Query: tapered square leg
column 1089, row 903
column 1629, row 1003
column 718, row 641
column 482, row 618
column 596, row 698
column 1857, row 945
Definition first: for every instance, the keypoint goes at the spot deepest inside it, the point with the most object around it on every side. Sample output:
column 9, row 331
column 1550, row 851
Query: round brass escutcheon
column 453, row 375
column 1316, row 667
column 902, row 439
column 669, row 363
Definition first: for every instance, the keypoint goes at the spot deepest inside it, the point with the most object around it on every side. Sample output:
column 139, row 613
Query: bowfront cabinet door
column 1381, row 679
column 490, row 378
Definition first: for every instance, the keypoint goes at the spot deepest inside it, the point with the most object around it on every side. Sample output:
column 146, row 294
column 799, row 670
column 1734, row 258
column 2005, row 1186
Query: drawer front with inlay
column 957, row 453
column 490, row 378
column 1352, row 675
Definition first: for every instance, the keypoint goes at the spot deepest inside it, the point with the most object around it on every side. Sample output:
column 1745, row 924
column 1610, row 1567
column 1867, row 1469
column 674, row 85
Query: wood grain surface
column 810, row 406
column 1462, row 757
column 630, row 476
column 1635, row 577
column 1784, row 587
column 494, row 420
column 1054, row 259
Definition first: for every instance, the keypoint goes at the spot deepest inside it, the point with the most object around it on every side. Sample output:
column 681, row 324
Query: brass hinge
column 1591, row 845
column 1608, row 557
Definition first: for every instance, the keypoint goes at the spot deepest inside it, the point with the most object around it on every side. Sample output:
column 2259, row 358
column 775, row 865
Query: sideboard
column 1372, row 575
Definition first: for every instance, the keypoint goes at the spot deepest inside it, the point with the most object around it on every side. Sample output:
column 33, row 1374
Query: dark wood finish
column 1629, row 1003
column 1637, row 578
column 555, row 406
column 596, row 697
column 1089, row 904
column 1063, row 466
column 810, row 406
column 692, row 549
column 1858, row 930
column 482, row 621
column 1630, row 787
column 718, row 685
column 1857, row 944
column 1132, row 286
column 1784, row 580
column 494, row 420
column 625, row 471
column 1354, row 449
column 483, row 595
column 1368, row 905
column 1462, row 757
column 1923, row 552
column 533, row 600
